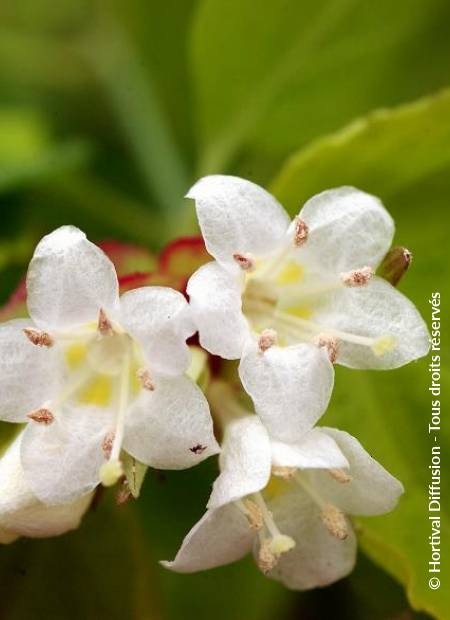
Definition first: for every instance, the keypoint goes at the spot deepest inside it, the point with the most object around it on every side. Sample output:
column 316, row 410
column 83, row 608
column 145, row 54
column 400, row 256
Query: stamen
column 245, row 261
column 328, row 342
column 253, row 514
column 104, row 325
column 335, row 522
column 267, row 560
column 145, row 379
column 42, row 416
column 331, row 516
column 37, row 337
column 111, row 471
column 267, row 339
column 340, row 475
column 358, row 277
column 123, row 494
column 287, row 473
column 107, row 444
column 301, row 232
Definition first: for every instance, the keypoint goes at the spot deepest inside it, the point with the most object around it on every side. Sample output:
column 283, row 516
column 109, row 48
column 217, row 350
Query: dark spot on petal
column 198, row 449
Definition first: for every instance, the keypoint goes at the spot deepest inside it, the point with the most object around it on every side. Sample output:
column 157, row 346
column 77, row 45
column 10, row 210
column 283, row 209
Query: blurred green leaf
column 404, row 156
column 271, row 79
column 102, row 570
column 382, row 153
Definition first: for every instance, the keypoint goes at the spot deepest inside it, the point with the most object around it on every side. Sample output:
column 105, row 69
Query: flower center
column 104, row 368
column 276, row 297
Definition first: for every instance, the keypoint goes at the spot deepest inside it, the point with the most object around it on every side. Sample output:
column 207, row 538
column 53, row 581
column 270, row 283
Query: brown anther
column 253, row 514
column 42, row 416
column 330, row 343
column 104, row 325
column 146, row 380
column 340, row 475
column 287, row 473
column 301, row 232
column 37, row 337
column 267, row 560
column 107, row 444
column 395, row 264
column 123, row 494
column 245, row 261
column 267, row 339
column 334, row 521
column 198, row 449
column 357, row 277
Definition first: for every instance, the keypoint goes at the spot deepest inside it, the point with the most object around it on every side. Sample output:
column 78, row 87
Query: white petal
column 21, row 513
column 222, row 536
column 375, row 310
column 318, row 558
column 69, row 279
column 159, row 318
column 290, row 387
column 245, row 461
column 29, row 374
column 348, row 229
column 216, row 301
column 171, row 427
column 61, row 461
column 315, row 450
column 237, row 216
column 371, row 491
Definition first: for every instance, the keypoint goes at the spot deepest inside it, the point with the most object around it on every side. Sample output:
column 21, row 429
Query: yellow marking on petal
column 292, row 273
column 98, row 392
column 383, row 345
column 302, row 311
column 75, row 355
column 275, row 488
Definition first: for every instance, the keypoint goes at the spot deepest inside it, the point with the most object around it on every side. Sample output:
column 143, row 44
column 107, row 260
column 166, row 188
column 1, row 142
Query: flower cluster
column 100, row 378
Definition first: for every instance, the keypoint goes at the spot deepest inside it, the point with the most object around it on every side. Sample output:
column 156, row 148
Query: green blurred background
column 109, row 110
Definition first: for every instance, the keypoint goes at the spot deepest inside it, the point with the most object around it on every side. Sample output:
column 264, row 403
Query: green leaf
column 383, row 153
column 403, row 156
column 272, row 78
column 103, row 570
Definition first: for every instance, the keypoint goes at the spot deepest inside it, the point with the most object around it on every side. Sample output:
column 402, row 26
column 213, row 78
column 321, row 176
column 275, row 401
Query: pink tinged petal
column 315, row 450
column 216, row 301
column 376, row 311
column 21, row 513
column 348, row 229
column 318, row 558
column 69, row 279
column 290, row 387
column 371, row 490
column 245, row 461
column 159, row 318
column 61, row 461
column 238, row 217
column 170, row 427
column 29, row 374
column 222, row 536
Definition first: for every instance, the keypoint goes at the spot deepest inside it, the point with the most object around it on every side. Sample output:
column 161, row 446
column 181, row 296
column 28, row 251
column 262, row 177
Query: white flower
column 311, row 280
column 21, row 513
column 93, row 373
column 288, row 503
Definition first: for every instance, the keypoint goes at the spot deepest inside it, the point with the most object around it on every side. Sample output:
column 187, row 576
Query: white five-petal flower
column 287, row 503
column 93, row 374
column 306, row 281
